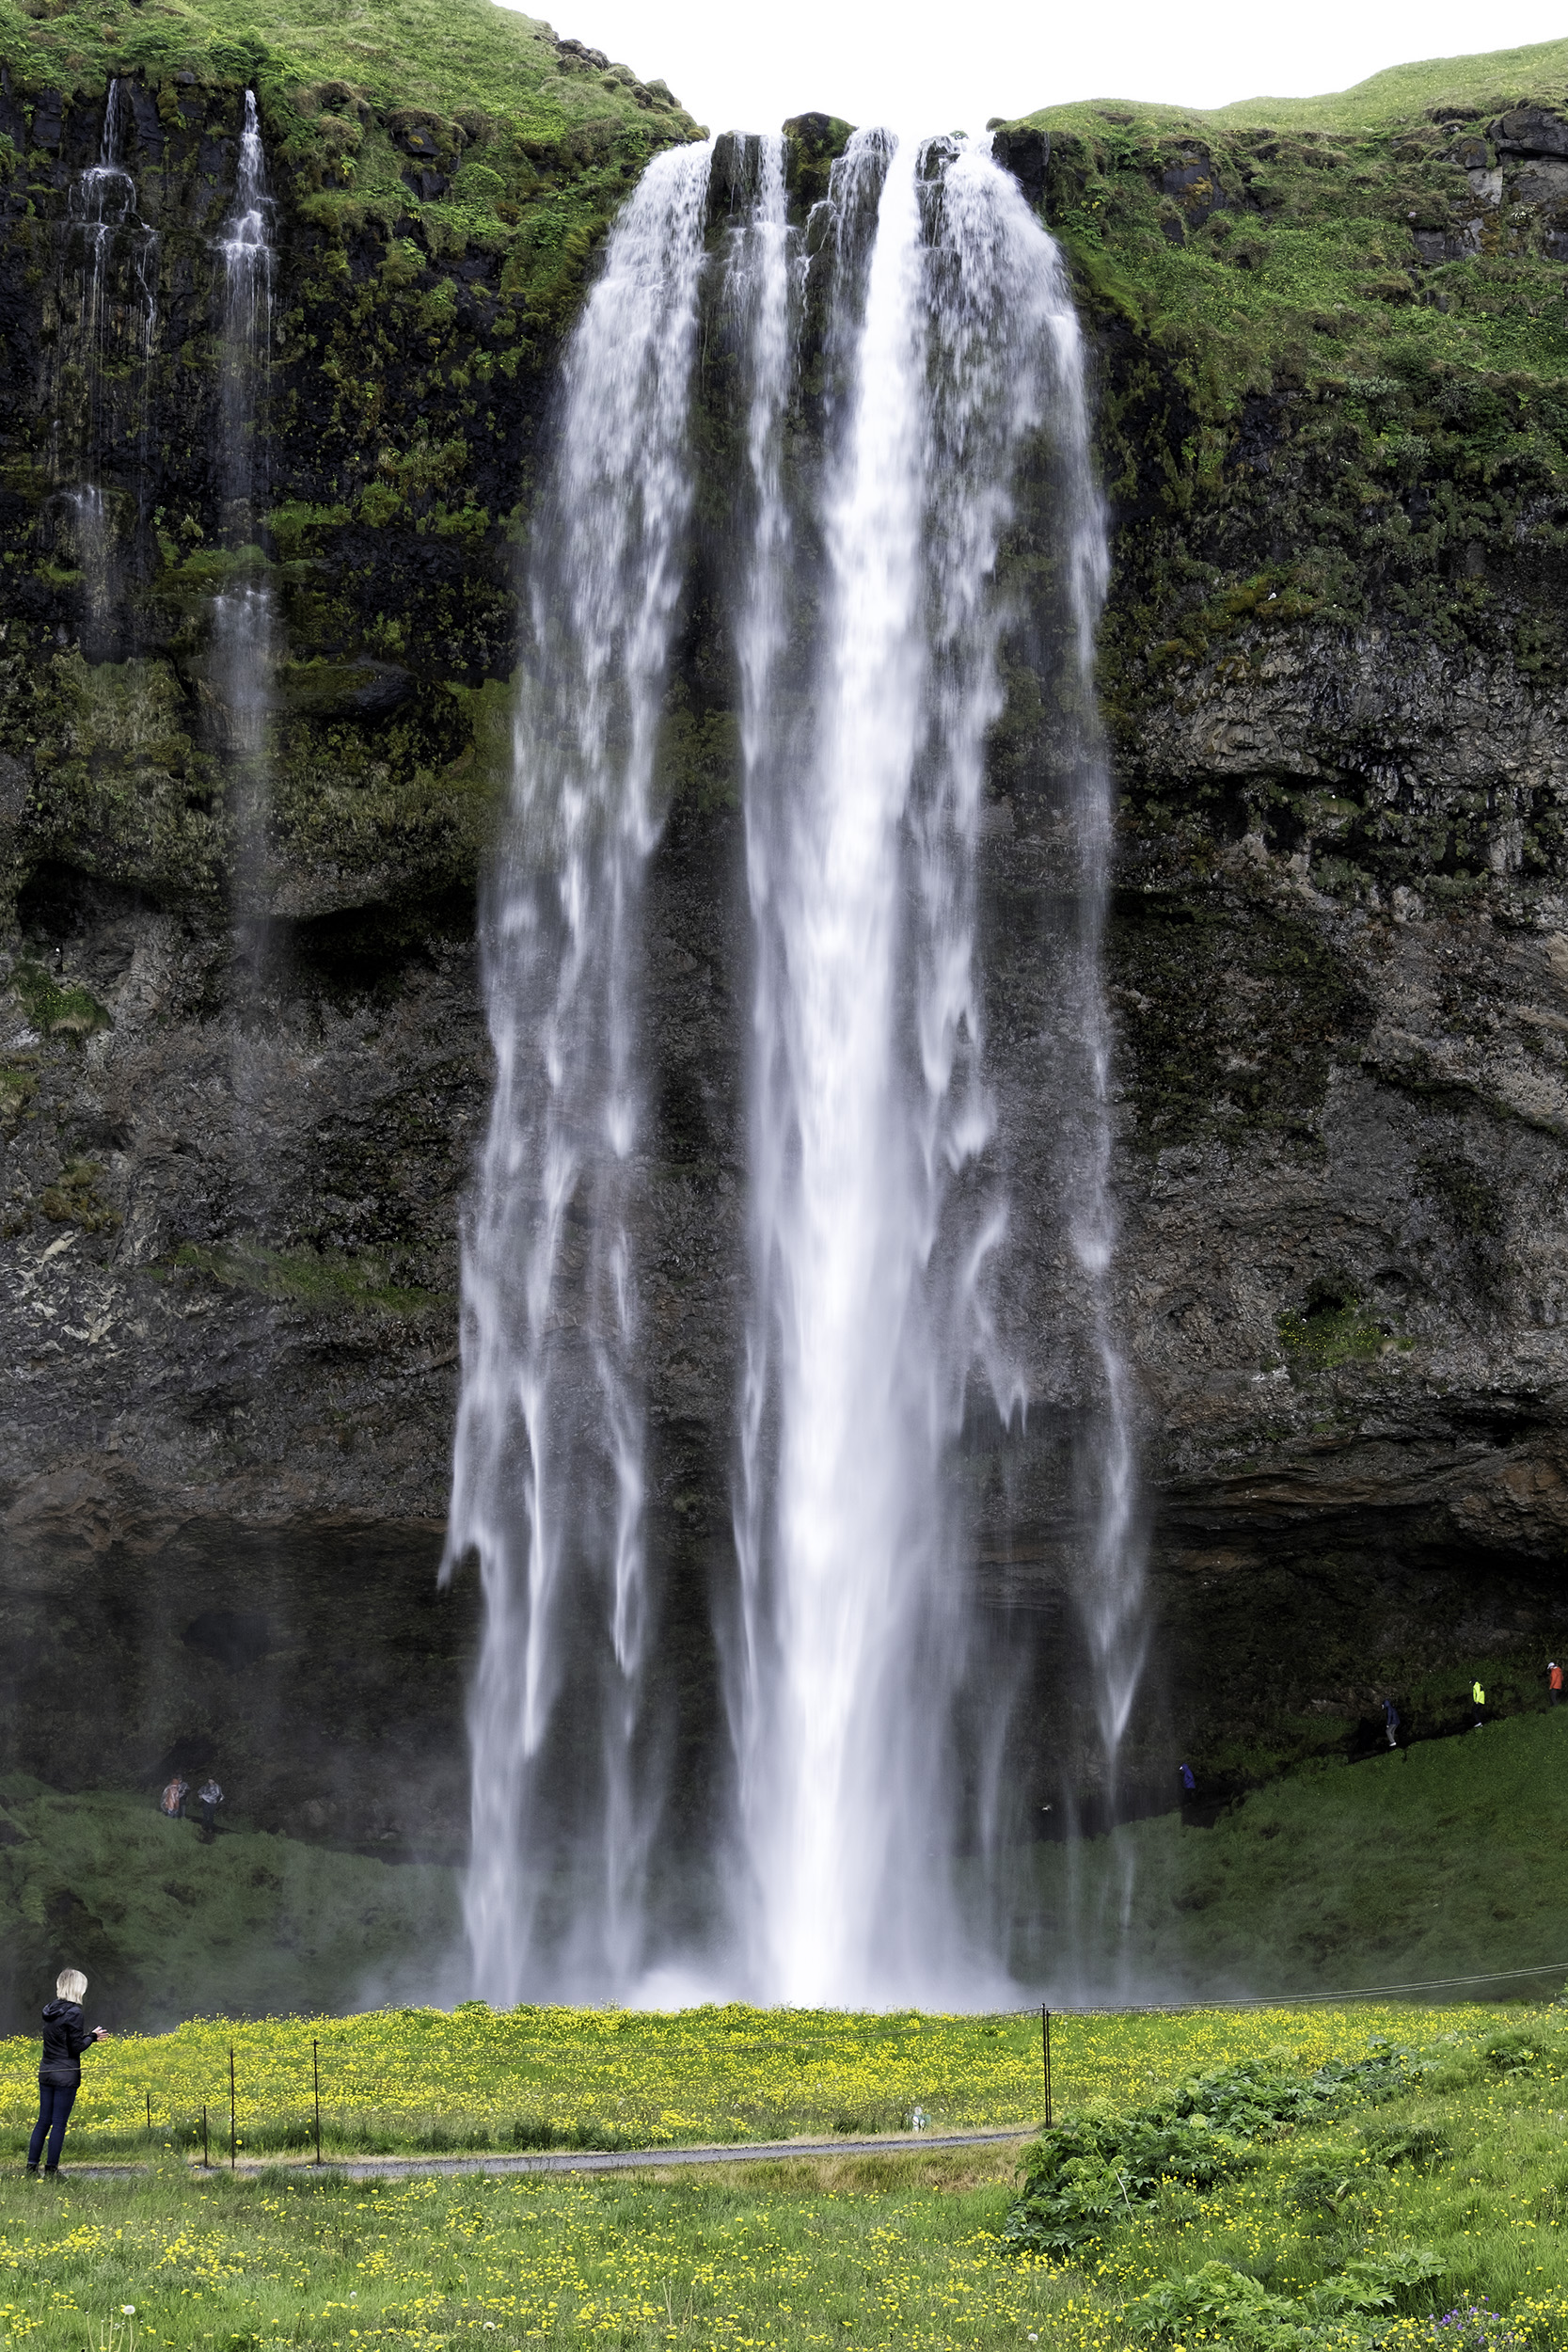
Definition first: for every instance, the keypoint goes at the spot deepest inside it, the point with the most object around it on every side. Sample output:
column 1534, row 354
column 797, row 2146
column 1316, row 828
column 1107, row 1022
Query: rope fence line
column 1299, row 2000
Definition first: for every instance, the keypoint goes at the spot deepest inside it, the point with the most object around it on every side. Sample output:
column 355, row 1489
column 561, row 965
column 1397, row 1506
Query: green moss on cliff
column 52, row 1006
column 1332, row 1329
column 310, row 1279
column 1284, row 233
column 1333, row 346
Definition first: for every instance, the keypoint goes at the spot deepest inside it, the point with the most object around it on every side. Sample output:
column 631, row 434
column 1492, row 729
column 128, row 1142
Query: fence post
column 1045, row 2041
column 206, row 2165
column 316, row 2078
column 149, row 2115
column 232, row 2139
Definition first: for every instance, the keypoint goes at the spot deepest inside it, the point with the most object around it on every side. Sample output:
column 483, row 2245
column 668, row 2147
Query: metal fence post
column 1045, row 2041
column 316, row 2078
column 232, row 2143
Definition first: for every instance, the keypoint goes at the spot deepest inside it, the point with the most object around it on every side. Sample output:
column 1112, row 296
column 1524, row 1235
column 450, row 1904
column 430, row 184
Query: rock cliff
column 1330, row 363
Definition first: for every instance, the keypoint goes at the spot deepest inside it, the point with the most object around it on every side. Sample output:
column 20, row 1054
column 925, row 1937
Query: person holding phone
column 66, row 2035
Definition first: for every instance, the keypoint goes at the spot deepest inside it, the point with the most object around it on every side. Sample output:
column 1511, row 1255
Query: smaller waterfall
column 249, row 270
column 1112, row 1590
column 243, row 619
column 547, row 1479
column 103, row 203
column 102, row 405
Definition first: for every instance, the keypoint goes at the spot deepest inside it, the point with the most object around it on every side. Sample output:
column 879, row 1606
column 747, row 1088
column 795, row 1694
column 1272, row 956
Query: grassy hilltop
column 495, row 87
column 1334, row 347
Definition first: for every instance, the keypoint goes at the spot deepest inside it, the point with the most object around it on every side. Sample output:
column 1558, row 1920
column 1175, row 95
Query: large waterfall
column 929, row 309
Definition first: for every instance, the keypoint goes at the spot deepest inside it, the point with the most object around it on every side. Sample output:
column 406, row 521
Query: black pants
column 209, row 1823
column 54, row 2105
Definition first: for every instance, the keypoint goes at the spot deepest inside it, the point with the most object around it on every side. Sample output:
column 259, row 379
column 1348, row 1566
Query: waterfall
column 903, row 369
column 243, row 614
column 549, row 1465
column 950, row 342
column 101, row 404
column 1111, row 1590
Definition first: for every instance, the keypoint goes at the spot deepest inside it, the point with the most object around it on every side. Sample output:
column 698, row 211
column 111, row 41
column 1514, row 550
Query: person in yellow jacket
column 1478, row 1700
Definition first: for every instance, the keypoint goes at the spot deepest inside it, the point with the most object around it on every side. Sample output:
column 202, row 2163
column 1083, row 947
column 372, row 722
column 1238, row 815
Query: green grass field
column 1457, row 2184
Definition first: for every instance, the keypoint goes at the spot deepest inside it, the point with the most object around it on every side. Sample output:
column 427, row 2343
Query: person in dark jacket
column 209, row 1797
column 65, row 2038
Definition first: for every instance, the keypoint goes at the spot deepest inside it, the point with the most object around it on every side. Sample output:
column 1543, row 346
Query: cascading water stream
column 867, row 621
column 110, row 349
column 549, row 1468
column 1111, row 1590
column 243, row 615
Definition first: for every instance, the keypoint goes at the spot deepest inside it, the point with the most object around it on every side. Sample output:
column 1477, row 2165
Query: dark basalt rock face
column 235, row 1155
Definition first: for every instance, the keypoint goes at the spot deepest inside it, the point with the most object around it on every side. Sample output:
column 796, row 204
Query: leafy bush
column 1513, row 2053
column 1080, row 2178
column 1231, row 2304
column 1320, row 2190
column 1422, row 2148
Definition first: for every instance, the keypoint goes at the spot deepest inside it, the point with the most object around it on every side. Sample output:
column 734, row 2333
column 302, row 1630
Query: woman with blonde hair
column 65, row 2038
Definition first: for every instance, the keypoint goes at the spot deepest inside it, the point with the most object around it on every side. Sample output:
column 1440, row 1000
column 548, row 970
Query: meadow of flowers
column 420, row 2078
column 1458, row 2182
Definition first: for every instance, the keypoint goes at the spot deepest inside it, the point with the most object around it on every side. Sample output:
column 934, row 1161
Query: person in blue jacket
column 66, row 2035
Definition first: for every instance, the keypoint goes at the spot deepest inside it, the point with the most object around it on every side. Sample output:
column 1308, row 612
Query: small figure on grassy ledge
column 209, row 1797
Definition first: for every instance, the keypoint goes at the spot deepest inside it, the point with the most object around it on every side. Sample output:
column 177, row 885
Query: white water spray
column 548, row 1470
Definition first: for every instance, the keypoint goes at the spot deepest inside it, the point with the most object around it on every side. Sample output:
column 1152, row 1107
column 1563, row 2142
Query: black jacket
column 66, row 2035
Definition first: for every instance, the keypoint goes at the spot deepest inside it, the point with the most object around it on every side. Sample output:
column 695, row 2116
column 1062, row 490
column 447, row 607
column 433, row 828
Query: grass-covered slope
column 167, row 1927
column 1440, row 1860
column 1291, row 232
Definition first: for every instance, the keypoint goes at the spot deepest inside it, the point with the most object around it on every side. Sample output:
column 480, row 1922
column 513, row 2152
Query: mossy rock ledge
column 242, row 1079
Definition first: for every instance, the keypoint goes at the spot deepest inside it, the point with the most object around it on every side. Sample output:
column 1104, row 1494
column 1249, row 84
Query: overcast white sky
column 938, row 65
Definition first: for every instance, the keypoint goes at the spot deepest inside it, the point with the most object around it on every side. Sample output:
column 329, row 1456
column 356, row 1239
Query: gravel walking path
column 592, row 2159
